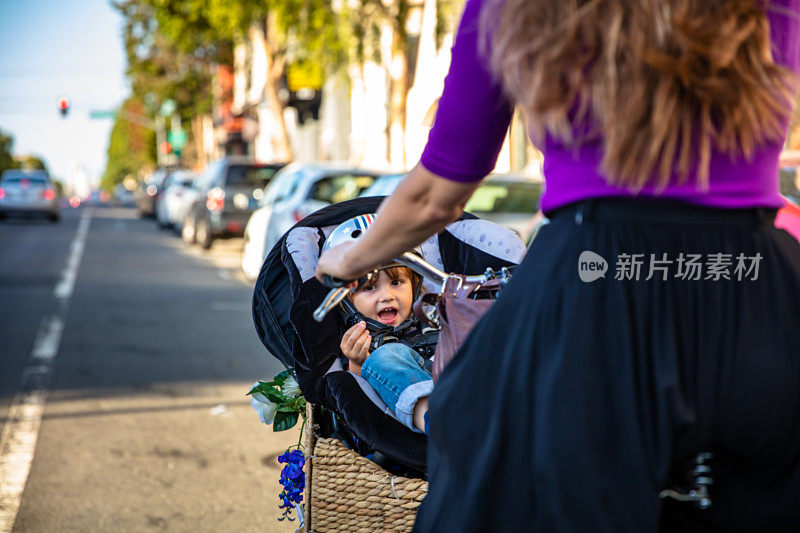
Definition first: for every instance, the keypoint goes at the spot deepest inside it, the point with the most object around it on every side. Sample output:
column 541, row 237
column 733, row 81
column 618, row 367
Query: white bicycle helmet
column 351, row 230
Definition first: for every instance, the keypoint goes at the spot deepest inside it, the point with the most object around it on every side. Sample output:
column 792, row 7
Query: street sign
column 102, row 114
column 177, row 138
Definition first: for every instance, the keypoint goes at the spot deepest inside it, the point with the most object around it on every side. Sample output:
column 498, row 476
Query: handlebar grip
column 332, row 300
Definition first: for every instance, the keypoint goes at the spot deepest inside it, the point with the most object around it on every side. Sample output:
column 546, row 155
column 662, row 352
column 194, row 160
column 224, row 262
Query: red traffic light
column 63, row 106
column 165, row 147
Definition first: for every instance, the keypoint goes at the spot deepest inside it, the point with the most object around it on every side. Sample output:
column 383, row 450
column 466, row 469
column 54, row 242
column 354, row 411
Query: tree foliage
column 173, row 47
column 31, row 162
column 170, row 57
column 6, row 152
column 131, row 147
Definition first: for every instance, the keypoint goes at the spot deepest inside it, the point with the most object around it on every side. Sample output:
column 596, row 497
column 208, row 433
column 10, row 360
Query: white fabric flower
column 264, row 408
column 290, row 387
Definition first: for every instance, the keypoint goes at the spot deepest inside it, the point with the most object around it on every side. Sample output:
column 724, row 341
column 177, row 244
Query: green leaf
column 281, row 378
column 273, row 394
column 284, row 420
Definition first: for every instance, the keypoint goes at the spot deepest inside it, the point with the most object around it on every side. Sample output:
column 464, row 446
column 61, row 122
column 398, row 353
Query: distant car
column 28, row 192
column 297, row 191
column 122, row 197
column 97, row 198
column 148, row 190
column 227, row 193
column 177, row 195
column 507, row 199
column 384, row 185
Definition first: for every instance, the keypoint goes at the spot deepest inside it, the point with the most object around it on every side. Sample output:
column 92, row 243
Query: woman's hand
column 333, row 262
column 355, row 346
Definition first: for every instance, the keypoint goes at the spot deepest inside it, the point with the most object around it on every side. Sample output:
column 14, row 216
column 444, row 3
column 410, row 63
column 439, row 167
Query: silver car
column 177, row 195
column 510, row 200
column 28, row 192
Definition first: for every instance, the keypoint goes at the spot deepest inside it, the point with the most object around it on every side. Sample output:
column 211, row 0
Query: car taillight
column 2, row 193
column 215, row 199
column 74, row 201
column 49, row 194
column 104, row 196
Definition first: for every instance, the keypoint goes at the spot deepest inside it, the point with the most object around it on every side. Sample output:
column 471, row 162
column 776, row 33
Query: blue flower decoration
column 292, row 480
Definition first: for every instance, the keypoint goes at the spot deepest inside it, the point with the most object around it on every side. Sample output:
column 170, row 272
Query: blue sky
column 53, row 48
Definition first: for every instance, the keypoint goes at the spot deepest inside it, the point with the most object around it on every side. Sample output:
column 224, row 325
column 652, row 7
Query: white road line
column 47, row 340
column 67, row 284
column 18, row 441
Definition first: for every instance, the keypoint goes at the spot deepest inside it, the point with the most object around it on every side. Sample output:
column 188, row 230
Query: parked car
column 148, row 191
column 297, row 191
column 28, row 192
column 178, row 193
column 507, row 199
column 384, row 185
column 227, row 193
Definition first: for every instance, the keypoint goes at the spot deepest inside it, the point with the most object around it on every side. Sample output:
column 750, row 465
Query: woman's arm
column 421, row 206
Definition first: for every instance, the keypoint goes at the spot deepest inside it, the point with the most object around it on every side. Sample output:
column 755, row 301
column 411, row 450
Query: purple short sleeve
column 473, row 114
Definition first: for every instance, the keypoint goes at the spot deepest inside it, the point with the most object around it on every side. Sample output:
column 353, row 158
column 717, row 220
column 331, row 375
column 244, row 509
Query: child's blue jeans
column 396, row 373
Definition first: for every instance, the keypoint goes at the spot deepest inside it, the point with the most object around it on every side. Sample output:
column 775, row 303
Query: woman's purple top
column 474, row 115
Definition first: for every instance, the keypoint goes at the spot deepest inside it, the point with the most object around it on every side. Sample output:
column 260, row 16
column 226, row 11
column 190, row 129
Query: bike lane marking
column 18, row 441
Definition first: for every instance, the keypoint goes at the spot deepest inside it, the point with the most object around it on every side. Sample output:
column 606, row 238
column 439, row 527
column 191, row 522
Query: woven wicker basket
column 347, row 492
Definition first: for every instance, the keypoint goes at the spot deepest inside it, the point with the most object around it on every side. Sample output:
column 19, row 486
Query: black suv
column 227, row 193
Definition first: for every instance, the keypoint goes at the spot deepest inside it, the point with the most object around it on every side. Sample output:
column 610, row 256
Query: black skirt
column 633, row 336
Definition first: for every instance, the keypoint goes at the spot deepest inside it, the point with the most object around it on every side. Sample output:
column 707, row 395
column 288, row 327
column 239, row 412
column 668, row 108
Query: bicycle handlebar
column 341, row 288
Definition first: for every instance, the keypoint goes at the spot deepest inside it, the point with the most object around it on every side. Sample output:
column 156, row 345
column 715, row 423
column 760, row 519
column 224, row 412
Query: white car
column 174, row 201
column 511, row 200
column 295, row 192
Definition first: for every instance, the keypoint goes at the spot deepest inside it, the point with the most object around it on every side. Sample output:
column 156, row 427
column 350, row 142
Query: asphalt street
column 125, row 357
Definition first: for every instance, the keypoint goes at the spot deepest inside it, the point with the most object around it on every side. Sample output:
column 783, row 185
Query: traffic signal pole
column 161, row 137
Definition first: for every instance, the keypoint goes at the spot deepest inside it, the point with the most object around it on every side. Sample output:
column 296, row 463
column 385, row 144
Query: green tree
column 131, row 147
column 31, row 162
column 6, row 152
column 365, row 21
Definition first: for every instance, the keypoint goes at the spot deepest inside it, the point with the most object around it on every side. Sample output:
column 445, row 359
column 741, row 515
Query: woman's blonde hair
column 664, row 82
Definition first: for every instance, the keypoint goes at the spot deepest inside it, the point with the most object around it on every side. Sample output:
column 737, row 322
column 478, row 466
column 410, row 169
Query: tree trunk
column 199, row 142
column 398, row 72
column 275, row 67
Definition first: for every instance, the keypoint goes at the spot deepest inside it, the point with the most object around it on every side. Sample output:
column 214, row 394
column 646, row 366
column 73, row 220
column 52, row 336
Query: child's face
column 388, row 300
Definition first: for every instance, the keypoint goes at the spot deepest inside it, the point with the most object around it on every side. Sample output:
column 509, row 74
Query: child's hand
column 355, row 346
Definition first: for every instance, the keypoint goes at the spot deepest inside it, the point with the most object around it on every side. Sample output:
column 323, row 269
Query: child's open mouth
column 387, row 315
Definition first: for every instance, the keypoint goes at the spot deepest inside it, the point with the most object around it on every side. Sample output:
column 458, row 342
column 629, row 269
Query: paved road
column 126, row 383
